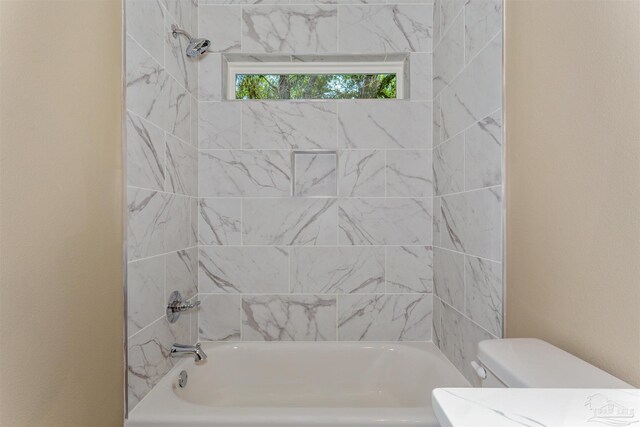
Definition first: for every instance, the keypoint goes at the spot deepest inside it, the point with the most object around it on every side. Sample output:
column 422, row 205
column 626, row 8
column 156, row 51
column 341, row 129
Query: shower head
column 196, row 47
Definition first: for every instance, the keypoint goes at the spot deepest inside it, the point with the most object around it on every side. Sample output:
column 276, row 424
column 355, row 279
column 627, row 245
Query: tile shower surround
column 359, row 266
column 467, row 173
column 161, row 161
column 243, row 258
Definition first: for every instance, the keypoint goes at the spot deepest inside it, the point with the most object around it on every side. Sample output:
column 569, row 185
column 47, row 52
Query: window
column 315, row 80
column 315, row 86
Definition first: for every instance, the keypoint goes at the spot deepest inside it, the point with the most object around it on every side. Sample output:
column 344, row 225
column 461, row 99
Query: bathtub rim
column 188, row 413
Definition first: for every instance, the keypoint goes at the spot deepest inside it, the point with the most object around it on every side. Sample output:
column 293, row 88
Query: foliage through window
column 316, row 86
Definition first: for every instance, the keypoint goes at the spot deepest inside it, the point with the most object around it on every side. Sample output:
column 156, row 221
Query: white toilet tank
column 533, row 363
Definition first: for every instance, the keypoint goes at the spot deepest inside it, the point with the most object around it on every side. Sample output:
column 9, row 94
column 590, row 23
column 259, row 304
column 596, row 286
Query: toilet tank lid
column 533, row 363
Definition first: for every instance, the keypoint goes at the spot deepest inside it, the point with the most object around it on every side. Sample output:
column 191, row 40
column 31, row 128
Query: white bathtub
column 301, row 384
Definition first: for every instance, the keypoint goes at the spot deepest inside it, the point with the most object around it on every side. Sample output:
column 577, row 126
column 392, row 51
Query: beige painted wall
column 61, row 360
column 573, row 178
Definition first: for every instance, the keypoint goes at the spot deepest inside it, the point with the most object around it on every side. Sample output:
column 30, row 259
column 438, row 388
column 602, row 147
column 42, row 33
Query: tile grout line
column 147, row 326
column 465, row 317
column 132, row 261
column 337, row 319
column 468, row 254
column 241, row 317
column 466, row 65
column 241, row 34
column 338, row 27
column 289, row 268
column 310, row 247
column 468, row 127
column 400, row 149
column 317, row 294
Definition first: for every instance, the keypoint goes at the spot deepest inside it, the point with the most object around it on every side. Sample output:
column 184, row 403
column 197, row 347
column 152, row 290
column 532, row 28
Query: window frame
column 317, row 67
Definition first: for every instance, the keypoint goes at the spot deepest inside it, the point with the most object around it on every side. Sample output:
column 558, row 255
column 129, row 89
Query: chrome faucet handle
column 184, row 305
column 191, row 305
column 177, row 305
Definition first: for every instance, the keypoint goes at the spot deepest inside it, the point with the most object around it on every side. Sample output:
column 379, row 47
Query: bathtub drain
column 182, row 379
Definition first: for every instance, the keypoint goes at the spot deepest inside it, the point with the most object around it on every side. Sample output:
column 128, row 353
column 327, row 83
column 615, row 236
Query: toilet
column 533, row 363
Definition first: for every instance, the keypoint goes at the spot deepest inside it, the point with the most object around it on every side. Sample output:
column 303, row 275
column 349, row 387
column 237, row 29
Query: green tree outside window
column 315, row 86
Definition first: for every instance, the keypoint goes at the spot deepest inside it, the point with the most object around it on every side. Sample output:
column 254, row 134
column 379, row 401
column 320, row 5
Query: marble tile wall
column 467, row 177
column 162, row 185
column 350, row 256
column 410, row 244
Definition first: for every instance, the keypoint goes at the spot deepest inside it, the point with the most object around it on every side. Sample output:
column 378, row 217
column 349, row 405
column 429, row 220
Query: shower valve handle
column 183, row 305
column 177, row 305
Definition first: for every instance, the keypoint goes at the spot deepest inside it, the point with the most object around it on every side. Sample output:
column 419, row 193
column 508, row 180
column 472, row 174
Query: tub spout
column 196, row 350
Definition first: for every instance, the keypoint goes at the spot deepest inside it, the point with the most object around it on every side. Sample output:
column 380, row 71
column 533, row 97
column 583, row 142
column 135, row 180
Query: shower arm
column 175, row 31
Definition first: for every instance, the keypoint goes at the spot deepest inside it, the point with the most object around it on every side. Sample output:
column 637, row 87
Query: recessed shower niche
column 314, row 173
